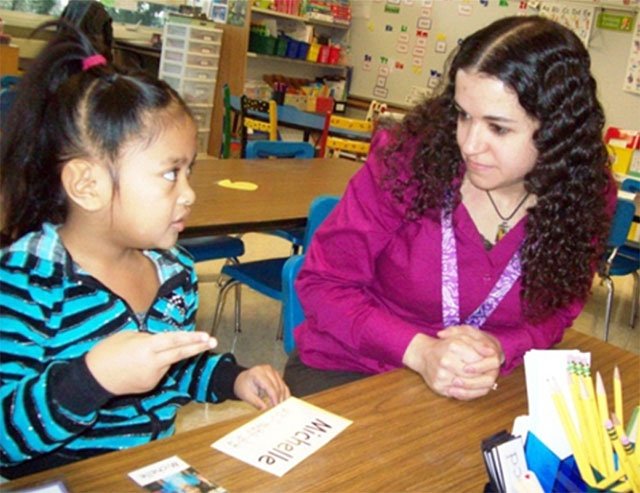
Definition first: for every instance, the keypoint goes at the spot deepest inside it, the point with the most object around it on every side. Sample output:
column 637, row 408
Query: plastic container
column 204, row 48
column 314, row 51
column 293, row 48
column 334, row 55
column 323, row 55
column 175, row 43
column 303, row 50
column 261, row 44
column 174, row 30
column 195, row 92
column 202, row 116
column 174, row 56
column 197, row 60
column 201, row 73
column 282, row 46
column 206, row 34
column 203, row 141
column 171, row 69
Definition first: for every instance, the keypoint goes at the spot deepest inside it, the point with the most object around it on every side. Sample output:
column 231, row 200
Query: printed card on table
column 173, row 475
column 282, row 437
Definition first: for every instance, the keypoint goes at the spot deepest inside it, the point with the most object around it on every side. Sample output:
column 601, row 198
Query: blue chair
column 8, row 94
column 206, row 248
column 262, row 149
column 292, row 313
column 265, row 276
column 615, row 264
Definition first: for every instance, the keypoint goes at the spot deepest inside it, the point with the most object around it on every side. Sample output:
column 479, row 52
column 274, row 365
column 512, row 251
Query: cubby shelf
column 295, row 60
column 314, row 22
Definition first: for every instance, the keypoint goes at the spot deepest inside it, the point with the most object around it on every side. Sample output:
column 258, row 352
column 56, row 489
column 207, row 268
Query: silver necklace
column 503, row 227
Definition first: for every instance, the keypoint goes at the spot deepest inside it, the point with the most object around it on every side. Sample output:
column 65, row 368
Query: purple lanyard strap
column 450, row 283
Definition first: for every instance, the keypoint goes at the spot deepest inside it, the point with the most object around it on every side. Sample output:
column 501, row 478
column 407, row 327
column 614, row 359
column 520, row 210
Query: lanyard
column 450, row 283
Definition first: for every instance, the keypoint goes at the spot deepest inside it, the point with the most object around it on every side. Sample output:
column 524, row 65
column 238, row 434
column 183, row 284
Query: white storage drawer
column 204, row 48
column 203, row 141
column 195, row 92
column 202, row 60
column 201, row 73
column 202, row 116
column 209, row 35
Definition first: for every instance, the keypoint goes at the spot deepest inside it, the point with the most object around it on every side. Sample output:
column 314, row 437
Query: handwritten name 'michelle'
column 284, row 450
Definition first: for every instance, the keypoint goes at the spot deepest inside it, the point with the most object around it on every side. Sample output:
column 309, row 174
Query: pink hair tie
column 93, row 61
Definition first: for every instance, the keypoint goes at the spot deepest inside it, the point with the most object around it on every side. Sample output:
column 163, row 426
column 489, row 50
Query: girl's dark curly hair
column 548, row 68
column 63, row 112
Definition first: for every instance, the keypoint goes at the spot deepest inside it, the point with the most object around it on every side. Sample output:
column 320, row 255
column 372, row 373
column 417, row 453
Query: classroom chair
column 8, row 94
column 376, row 109
column 265, row 276
column 616, row 264
column 292, row 313
column 247, row 122
column 333, row 146
column 263, row 149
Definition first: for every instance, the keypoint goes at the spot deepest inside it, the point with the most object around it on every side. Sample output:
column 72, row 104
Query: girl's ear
column 88, row 184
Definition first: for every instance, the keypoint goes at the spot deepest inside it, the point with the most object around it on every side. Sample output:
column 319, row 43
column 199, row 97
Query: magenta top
column 372, row 280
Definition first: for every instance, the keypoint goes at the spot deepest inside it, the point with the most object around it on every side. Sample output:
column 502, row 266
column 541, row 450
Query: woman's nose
column 472, row 139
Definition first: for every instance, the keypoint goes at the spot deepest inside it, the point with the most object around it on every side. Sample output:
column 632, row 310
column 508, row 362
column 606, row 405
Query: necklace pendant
column 503, row 228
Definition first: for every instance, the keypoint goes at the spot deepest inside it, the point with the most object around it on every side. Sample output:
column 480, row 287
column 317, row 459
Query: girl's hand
column 261, row 386
column 134, row 362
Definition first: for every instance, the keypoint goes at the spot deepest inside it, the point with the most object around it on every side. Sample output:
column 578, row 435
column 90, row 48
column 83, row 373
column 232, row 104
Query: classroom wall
column 398, row 47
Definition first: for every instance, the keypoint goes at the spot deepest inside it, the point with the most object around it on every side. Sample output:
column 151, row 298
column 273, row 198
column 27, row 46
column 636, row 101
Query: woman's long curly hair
column 548, row 68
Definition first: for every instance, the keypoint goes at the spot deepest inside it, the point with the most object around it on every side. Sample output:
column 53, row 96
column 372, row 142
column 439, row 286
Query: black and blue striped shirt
column 52, row 410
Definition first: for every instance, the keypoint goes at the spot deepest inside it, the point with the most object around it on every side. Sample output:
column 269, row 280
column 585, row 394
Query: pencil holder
column 555, row 475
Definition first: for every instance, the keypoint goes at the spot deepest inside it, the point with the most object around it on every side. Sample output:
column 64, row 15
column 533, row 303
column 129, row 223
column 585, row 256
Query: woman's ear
column 88, row 184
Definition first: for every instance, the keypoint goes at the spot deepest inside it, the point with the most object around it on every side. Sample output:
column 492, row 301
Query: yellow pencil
column 603, row 411
column 563, row 413
column 593, row 437
column 623, row 459
column 617, row 394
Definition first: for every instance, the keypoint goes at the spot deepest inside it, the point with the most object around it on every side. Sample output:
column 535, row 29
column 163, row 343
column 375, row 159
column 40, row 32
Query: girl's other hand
column 261, row 386
column 134, row 362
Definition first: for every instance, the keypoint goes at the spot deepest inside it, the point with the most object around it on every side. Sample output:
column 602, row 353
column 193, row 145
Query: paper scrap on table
column 541, row 366
column 283, row 436
column 238, row 185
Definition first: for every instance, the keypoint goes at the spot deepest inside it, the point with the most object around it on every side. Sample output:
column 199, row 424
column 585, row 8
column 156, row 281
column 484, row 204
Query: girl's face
column 154, row 197
column 494, row 133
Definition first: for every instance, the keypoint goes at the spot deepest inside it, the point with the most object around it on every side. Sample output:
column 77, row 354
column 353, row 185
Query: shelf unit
column 297, row 61
column 258, row 64
column 189, row 63
column 314, row 22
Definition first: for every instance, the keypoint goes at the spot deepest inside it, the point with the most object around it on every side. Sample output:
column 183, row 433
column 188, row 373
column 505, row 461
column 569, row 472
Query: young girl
column 97, row 308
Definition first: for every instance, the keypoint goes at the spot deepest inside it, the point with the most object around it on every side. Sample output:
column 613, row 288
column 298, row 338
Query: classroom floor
column 257, row 343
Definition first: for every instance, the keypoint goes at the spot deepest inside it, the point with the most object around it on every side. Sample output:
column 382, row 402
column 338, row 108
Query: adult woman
column 486, row 209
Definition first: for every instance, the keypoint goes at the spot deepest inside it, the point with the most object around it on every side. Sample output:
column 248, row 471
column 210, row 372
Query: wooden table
column 403, row 438
column 286, row 187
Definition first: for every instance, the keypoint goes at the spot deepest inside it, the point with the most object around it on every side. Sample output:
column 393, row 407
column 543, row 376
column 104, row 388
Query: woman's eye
column 462, row 115
column 499, row 130
column 171, row 175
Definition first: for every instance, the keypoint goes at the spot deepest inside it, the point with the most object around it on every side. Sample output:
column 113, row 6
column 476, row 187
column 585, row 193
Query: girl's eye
column 171, row 175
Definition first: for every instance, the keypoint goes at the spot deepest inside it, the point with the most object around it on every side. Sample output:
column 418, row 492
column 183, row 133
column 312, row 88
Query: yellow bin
column 314, row 51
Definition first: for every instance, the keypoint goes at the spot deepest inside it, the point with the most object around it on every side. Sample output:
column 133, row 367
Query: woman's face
column 494, row 133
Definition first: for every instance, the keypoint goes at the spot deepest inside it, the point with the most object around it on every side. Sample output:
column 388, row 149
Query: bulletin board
column 398, row 48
